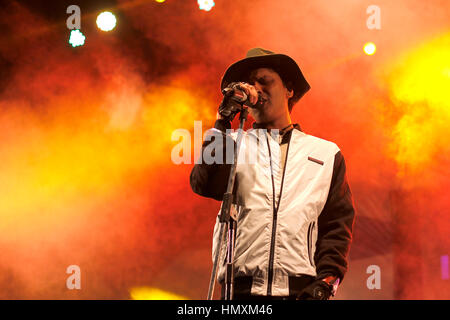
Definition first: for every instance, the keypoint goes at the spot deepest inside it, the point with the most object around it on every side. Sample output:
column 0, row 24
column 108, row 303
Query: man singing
column 294, row 206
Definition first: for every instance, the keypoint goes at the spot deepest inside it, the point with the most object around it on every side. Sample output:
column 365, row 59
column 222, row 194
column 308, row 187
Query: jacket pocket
column 310, row 240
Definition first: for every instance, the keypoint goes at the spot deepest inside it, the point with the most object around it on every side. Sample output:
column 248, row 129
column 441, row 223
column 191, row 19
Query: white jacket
column 275, row 243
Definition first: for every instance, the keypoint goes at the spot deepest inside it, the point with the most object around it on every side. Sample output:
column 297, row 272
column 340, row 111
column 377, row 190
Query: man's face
column 269, row 84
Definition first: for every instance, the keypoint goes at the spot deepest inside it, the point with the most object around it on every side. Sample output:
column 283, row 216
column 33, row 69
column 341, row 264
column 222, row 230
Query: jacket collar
column 282, row 131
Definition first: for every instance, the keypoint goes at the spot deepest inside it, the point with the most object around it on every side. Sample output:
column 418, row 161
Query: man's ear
column 289, row 89
column 289, row 93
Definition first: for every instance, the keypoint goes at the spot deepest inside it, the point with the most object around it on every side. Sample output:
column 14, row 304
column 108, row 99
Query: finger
column 254, row 95
column 250, row 91
column 244, row 87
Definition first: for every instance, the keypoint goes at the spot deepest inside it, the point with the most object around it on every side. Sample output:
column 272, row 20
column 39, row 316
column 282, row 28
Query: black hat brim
column 287, row 68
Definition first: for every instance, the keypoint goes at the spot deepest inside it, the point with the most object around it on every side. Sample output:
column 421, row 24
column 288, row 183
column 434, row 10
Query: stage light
column 160, row 1
column 106, row 21
column 205, row 4
column 76, row 38
column 370, row 48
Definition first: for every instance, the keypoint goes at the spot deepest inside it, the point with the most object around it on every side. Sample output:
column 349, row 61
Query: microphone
column 235, row 93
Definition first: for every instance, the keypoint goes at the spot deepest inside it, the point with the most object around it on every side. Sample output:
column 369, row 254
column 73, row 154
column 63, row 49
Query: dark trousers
column 243, row 286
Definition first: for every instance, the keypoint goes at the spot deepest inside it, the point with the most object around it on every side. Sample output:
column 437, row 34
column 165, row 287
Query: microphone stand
column 225, row 218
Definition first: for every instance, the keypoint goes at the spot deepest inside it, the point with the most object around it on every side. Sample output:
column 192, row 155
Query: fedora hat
column 256, row 58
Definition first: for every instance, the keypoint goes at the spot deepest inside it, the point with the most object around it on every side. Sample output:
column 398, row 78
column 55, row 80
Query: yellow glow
column 370, row 48
column 148, row 293
column 46, row 169
column 419, row 85
column 178, row 108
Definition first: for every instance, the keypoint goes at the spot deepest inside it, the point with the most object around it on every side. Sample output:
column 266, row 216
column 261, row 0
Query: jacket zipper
column 275, row 215
column 309, row 239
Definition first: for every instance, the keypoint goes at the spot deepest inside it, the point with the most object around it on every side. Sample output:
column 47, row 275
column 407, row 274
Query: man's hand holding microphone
column 235, row 95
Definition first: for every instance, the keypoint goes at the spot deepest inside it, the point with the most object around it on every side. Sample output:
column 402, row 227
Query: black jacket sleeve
column 211, row 180
column 335, row 225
